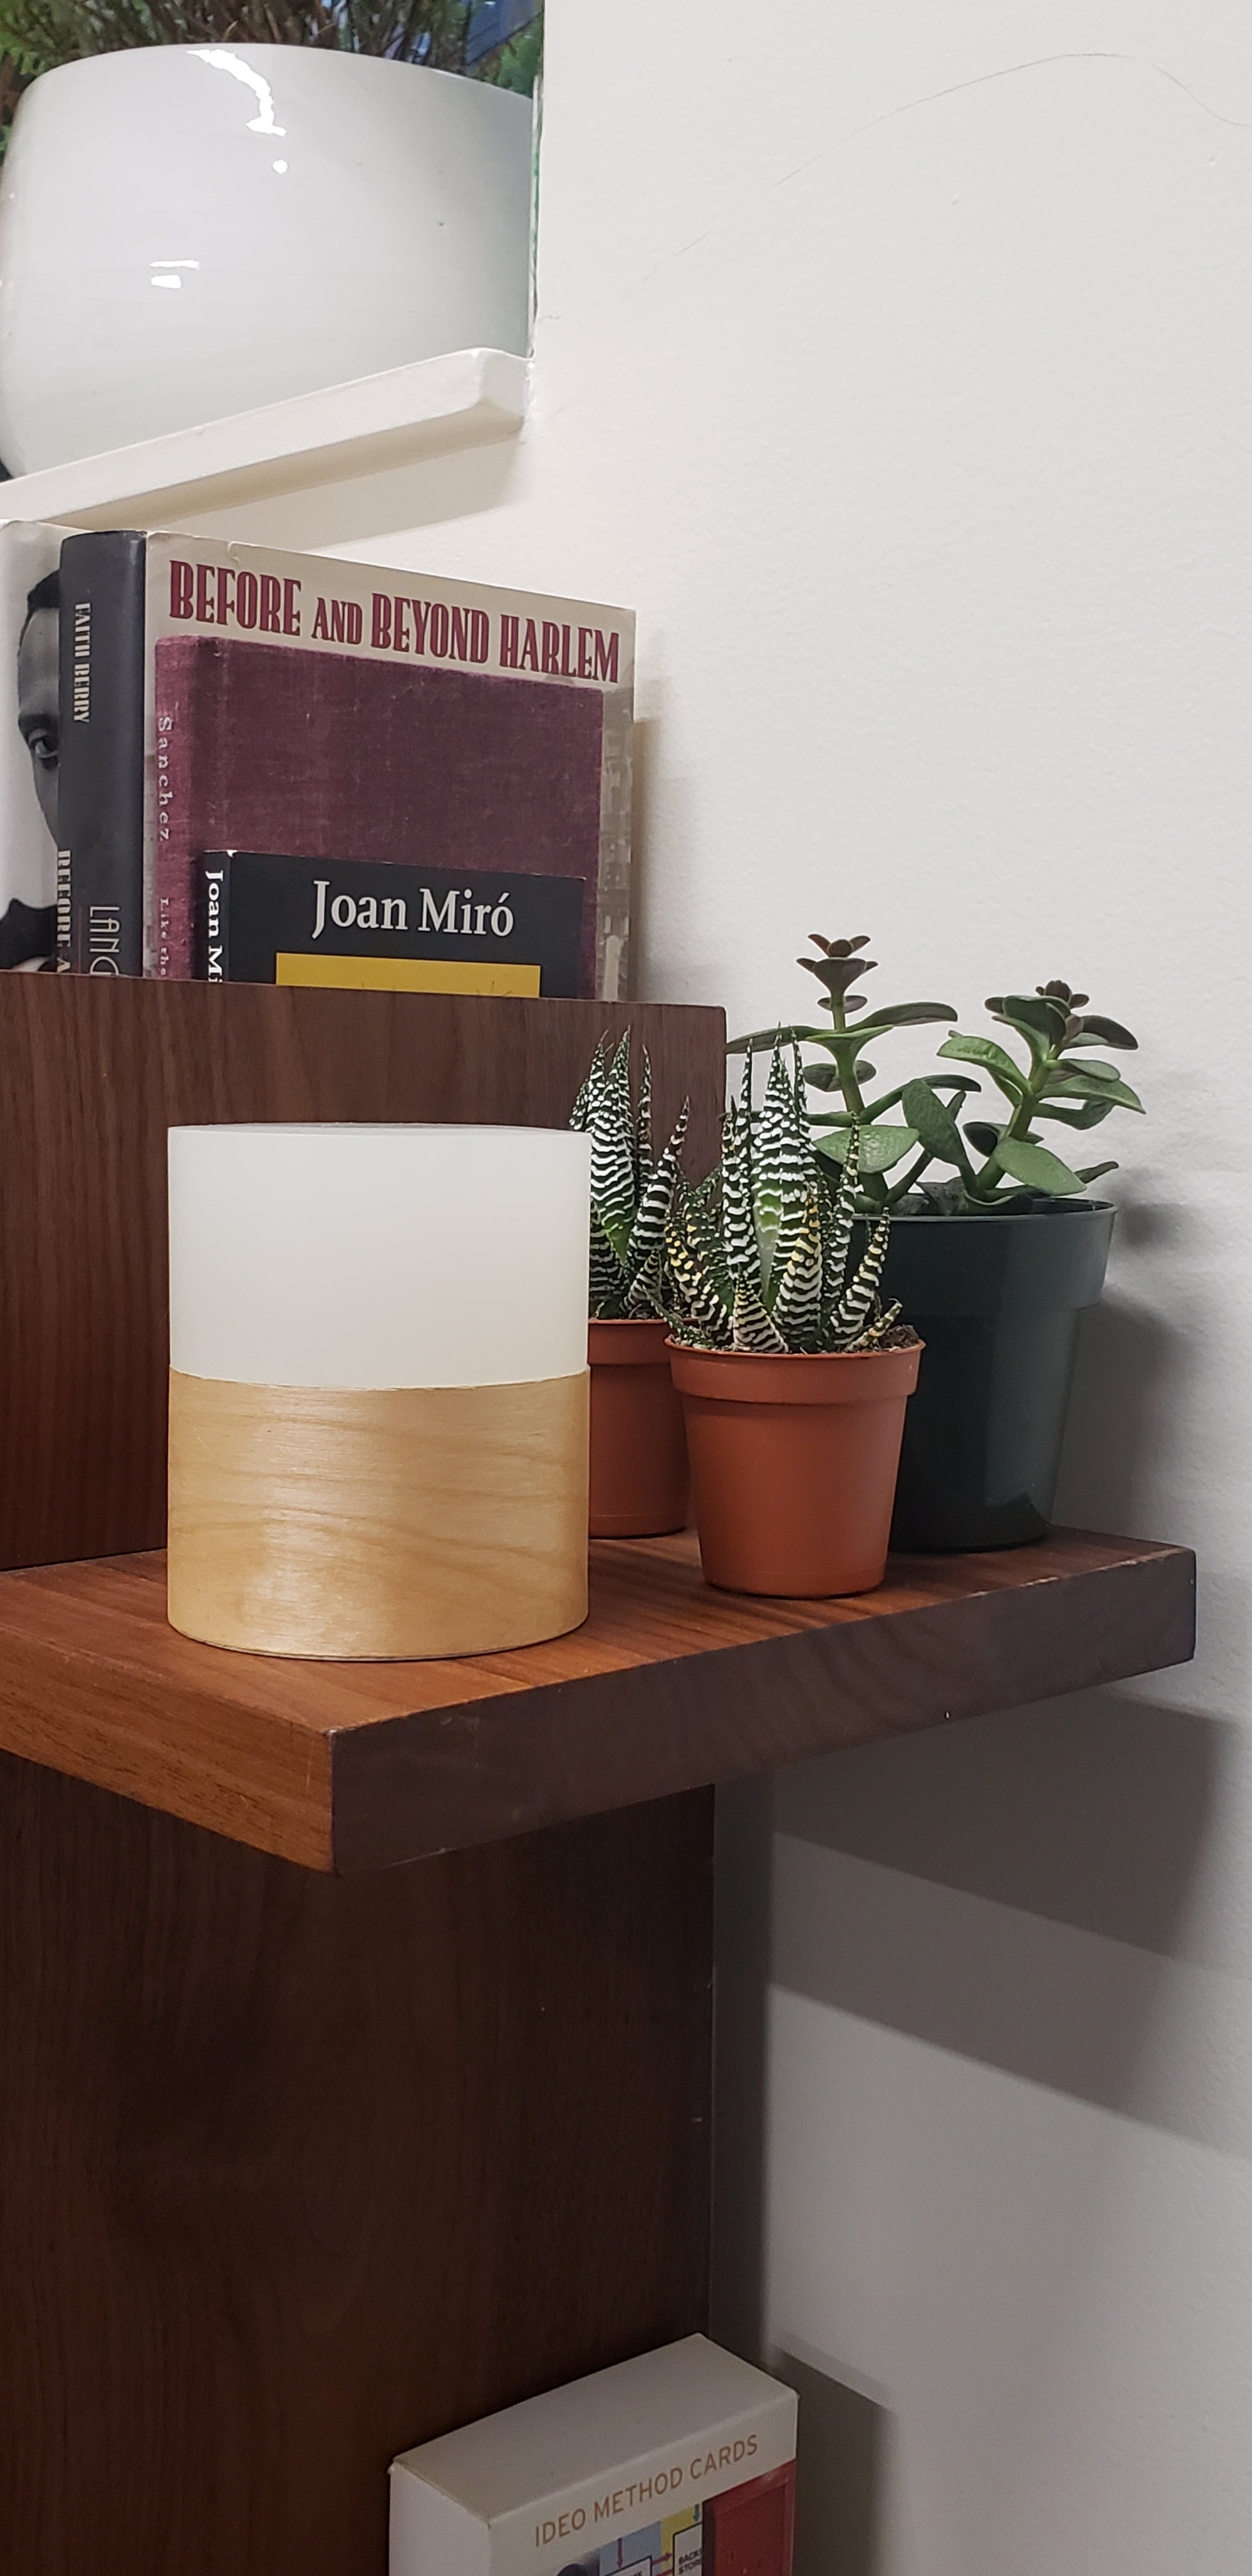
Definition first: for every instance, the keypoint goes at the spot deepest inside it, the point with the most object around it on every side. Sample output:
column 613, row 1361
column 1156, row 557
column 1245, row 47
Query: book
column 302, row 707
column 29, row 744
column 268, row 918
column 678, row 2463
column 101, row 779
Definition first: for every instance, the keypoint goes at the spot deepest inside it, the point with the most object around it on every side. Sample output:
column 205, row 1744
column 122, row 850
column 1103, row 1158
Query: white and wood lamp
column 378, row 1388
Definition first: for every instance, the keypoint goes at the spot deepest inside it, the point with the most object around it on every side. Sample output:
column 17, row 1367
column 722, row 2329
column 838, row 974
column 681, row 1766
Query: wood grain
column 92, row 1074
column 667, row 1687
column 377, row 1521
column 296, row 2171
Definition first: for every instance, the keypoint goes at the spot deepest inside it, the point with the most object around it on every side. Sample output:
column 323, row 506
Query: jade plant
column 633, row 1192
column 762, row 1253
column 956, row 1166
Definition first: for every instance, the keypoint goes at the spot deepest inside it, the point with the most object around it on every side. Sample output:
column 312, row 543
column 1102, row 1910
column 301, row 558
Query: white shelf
column 466, row 399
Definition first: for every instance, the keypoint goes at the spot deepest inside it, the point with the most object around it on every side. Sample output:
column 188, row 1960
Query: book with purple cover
column 331, row 711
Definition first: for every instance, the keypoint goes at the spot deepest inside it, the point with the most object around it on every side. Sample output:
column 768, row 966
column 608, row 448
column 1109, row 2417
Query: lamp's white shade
column 341, row 1257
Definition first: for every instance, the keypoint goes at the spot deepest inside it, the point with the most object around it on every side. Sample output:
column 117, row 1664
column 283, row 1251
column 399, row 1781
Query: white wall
column 897, row 362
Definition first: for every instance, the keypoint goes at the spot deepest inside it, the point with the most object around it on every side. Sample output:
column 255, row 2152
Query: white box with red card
column 679, row 2463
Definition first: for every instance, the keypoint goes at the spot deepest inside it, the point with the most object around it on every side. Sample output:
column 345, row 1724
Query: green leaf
column 1032, row 1013
column 1075, row 1086
column 1090, row 1114
column 1036, row 1167
column 933, row 1123
column 984, row 1051
column 762, row 1041
column 1111, row 1031
column 905, row 1015
column 1092, row 1068
column 837, row 973
column 982, row 1135
column 880, row 1146
column 1095, row 1172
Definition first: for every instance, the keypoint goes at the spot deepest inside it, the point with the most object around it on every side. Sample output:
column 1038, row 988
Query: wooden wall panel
column 296, row 2171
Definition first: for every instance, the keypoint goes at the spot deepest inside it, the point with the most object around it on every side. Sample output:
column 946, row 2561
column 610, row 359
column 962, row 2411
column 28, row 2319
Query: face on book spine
column 378, row 1388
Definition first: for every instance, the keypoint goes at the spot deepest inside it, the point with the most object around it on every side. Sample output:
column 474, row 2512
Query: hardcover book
column 306, row 708
column 679, row 2463
column 266, row 918
column 30, row 757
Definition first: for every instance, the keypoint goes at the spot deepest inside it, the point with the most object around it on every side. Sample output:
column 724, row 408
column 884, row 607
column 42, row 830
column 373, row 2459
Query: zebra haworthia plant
column 633, row 1192
column 762, row 1252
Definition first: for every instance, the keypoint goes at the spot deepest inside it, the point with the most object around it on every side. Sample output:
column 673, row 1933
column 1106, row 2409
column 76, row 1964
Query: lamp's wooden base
column 296, row 2171
column 375, row 1523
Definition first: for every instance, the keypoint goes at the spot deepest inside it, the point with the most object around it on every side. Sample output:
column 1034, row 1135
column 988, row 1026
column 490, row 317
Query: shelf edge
column 466, row 398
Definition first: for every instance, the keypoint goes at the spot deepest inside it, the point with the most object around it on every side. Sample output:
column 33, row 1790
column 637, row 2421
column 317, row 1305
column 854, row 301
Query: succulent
column 992, row 1164
column 633, row 1194
column 762, row 1252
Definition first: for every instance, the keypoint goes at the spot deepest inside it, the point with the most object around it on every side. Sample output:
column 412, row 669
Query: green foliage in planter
column 38, row 35
column 762, row 1251
column 993, row 1164
column 633, row 1194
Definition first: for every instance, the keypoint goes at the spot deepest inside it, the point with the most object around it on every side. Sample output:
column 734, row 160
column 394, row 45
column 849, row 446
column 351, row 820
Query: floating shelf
column 467, row 398
column 668, row 1687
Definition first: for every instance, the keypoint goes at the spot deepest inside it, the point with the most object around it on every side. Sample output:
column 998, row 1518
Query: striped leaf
column 652, row 1216
column 752, row 1326
column 797, row 1307
column 796, row 1201
column 858, row 1298
column 738, row 1232
column 612, row 1153
column 884, row 1322
column 584, row 1109
column 703, row 1316
column 702, row 1233
column 649, row 1286
column 644, row 1163
column 781, row 1164
column 607, row 1281
column 838, row 1208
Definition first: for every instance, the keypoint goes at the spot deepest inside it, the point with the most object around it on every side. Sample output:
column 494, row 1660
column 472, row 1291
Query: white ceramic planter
column 189, row 230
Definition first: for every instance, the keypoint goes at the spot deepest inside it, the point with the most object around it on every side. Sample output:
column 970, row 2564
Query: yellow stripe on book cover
column 405, row 974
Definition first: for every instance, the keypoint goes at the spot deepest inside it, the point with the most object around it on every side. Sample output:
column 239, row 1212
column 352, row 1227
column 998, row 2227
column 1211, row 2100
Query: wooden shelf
column 467, row 398
column 669, row 1686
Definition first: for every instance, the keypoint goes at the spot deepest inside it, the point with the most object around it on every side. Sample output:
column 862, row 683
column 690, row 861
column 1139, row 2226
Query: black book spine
column 212, row 918
column 100, row 788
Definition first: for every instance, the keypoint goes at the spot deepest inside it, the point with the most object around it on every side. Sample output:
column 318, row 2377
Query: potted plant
column 794, row 1379
column 995, row 1246
column 640, row 1485
column 328, row 200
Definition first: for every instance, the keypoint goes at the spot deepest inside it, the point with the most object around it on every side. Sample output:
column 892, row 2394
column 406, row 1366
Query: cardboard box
column 681, row 2463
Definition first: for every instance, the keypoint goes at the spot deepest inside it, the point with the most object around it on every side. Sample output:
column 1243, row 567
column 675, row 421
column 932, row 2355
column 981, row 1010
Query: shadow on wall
column 841, row 2468
column 949, row 1887
column 1133, row 1371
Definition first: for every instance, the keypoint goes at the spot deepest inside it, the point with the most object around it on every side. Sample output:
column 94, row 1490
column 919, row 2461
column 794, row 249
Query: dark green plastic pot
column 996, row 1300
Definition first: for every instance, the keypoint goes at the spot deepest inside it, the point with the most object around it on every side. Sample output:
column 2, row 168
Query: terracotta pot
column 640, row 1484
column 793, row 1461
